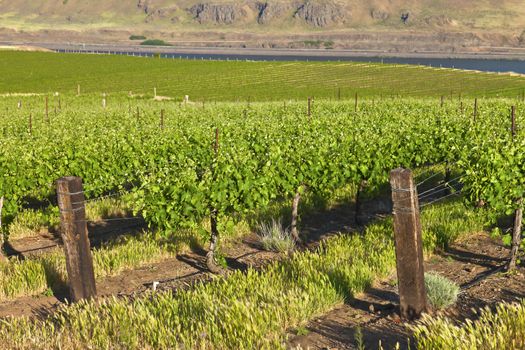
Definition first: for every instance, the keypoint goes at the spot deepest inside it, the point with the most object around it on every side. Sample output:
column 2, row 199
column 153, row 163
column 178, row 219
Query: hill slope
column 260, row 22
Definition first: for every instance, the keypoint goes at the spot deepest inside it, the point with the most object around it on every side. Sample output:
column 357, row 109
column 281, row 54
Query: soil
column 475, row 263
column 174, row 273
column 186, row 268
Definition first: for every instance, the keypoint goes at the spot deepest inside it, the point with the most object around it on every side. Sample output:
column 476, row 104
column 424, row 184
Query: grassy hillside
column 27, row 72
column 279, row 15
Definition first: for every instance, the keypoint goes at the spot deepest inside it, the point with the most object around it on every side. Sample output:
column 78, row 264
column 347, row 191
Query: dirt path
column 474, row 263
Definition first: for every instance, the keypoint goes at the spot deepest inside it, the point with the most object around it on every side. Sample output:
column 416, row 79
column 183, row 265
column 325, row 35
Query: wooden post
column 516, row 236
column 19, row 105
column 408, row 244
column 518, row 213
column 104, row 100
column 78, row 90
column 162, row 119
column 442, row 100
column 513, row 121
column 214, row 236
column 154, row 92
column 475, row 109
column 2, row 257
column 360, row 189
column 59, row 103
column 295, row 216
column 30, row 123
column 355, row 106
column 73, row 229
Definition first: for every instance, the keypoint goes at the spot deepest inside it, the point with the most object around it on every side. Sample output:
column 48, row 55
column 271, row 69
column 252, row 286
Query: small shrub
column 274, row 237
column 137, row 37
column 441, row 292
column 155, row 42
column 329, row 44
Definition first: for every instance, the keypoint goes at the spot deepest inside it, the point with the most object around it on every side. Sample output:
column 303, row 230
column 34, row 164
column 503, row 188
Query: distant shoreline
column 282, row 54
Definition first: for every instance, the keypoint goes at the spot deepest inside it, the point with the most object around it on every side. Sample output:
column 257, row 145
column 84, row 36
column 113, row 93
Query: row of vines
column 232, row 159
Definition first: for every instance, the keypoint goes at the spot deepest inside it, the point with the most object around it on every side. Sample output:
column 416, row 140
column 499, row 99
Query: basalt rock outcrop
column 320, row 14
column 207, row 13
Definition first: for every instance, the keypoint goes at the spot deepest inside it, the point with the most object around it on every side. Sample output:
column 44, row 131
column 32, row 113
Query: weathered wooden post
column 19, row 105
column 162, row 119
column 78, row 90
column 154, row 92
column 518, row 213
column 30, row 123
column 73, row 229
column 408, row 243
column 104, row 100
column 513, row 121
column 2, row 257
column 214, row 237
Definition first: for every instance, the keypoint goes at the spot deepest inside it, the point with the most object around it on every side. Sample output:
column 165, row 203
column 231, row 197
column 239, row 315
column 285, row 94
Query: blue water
column 487, row 65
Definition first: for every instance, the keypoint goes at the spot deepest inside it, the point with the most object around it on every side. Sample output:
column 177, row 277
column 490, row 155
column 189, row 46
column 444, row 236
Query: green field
column 26, row 72
column 165, row 171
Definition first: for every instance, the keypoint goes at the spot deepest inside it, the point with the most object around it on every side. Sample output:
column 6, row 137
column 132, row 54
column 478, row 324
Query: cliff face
column 321, row 14
column 216, row 13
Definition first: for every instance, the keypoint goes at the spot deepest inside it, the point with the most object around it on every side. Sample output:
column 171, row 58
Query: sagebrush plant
column 275, row 237
column 441, row 292
column 502, row 328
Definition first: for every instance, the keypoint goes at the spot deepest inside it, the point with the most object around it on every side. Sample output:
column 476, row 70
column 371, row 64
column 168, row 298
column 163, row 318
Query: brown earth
column 476, row 264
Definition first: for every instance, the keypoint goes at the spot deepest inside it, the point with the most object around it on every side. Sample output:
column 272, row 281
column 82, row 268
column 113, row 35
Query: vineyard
column 208, row 81
column 163, row 176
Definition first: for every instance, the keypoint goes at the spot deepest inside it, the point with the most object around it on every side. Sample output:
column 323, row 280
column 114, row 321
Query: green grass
column 439, row 233
column 37, row 275
column 232, row 81
column 242, row 311
column 31, row 222
column 503, row 328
